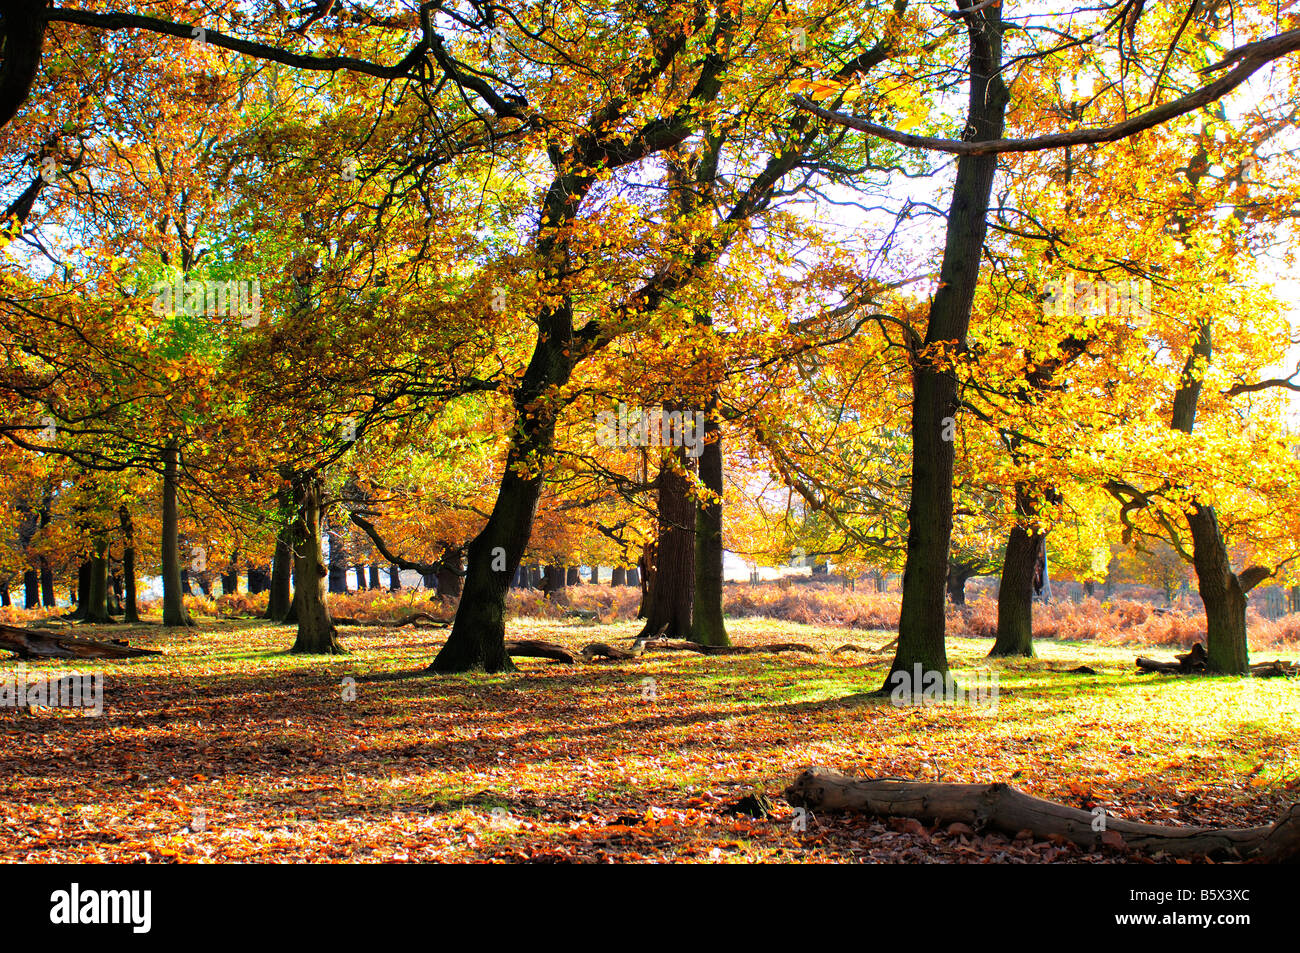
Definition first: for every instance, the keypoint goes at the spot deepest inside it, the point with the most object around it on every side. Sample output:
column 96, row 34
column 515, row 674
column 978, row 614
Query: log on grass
column 397, row 624
column 1155, row 665
column 416, row 617
column 1196, row 661
column 597, row 650
column 1004, row 808
column 674, row 645
column 773, row 647
column 535, row 648
column 683, row 645
column 27, row 643
column 1278, row 668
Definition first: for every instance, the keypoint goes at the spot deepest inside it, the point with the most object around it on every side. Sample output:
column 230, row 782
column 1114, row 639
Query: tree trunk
column 130, row 603
column 95, row 609
column 921, row 624
column 48, row 600
column 645, row 569
column 82, row 597
column 1222, row 592
column 360, row 570
column 291, row 616
column 338, row 564
column 31, row 589
column 5, row 599
column 374, row 577
column 174, row 611
column 477, row 639
column 394, row 578
column 595, row 575
column 572, row 576
column 633, row 577
column 114, row 594
column 47, row 573
column 707, row 625
column 449, row 585
column 279, row 600
column 1016, row 595
column 670, row 569
column 619, row 576
column 958, row 575
column 316, row 632
column 259, row 580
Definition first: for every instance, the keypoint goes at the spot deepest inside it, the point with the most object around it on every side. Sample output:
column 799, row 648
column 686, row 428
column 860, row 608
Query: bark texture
column 174, row 611
column 317, row 634
column 1004, row 808
column 921, row 626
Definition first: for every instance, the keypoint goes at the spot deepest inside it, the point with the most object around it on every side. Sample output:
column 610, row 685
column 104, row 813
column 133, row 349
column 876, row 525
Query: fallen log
column 28, row 643
column 1194, row 661
column 773, row 647
column 1006, row 809
column 1197, row 661
column 850, row 647
column 597, row 650
column 535, row 648
column 1278, row 668
column 674, row 645
column 684, row 645
column 416, row 617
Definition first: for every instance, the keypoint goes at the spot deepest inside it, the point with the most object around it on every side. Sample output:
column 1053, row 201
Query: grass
column 228, row 733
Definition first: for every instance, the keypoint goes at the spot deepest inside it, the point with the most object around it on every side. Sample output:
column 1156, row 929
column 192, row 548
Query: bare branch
column 263, row 51
column 1253, row 56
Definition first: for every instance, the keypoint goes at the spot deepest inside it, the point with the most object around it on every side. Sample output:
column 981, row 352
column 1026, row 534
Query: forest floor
column 228, row 749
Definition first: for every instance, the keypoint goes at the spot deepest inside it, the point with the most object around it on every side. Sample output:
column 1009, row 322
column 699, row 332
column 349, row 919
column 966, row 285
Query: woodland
column 650, row 431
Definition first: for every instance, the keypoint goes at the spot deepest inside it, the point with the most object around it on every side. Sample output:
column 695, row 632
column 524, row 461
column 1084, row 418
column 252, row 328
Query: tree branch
column 1252, row 57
